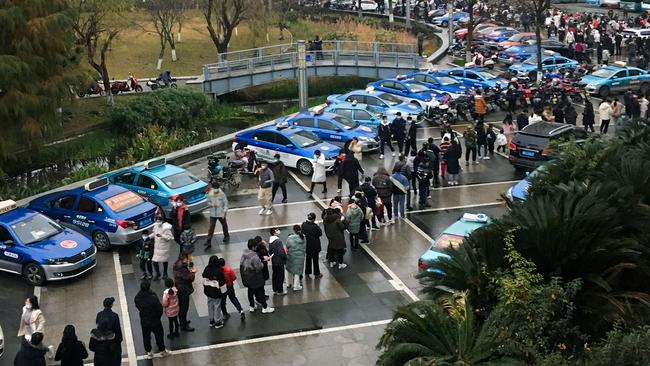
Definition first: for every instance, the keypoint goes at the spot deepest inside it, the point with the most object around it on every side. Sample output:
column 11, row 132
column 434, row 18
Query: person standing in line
column 480, row 106
column 32, row 352
column 411, row 136
column 312, row 233
column 295, row 258
column 371, row 197
column 334, row 228
column 230, row 277
column 470, row 144
column 218, row 210
column 522, row 119
column 150, row 310
column 399, row 131
column 453, row 166
column 71, row 351
column 491, row 138
column 109, row 316
column 184, row 279
column 401, row 186
column 262, row 250
column 385, row 136
column 280, row 176
column 351, row 169
column 103, row 343
column 32, row 319
column 250, row 267
column 319, row 175
column 444, row 146
column 163, row 238
column 570, row 114
column 406, row 169
column 145, row 252
column 605, row 112
column 354, row 147
column 353, row 219
column 433, row 153
column 188, row 243
column 213, row 281
column 338, row 170
column 180, row 217
column 383, row 185
column 588, row 117
column 481, row 141
column 278, row 261
column 365, row 220
column 422, row 167
column 265, row 182
column 171, row 307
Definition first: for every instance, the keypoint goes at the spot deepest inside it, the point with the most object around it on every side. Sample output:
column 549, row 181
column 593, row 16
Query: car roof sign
column 6, row 206
column 469, row 65
column 480, row 217
column 96, row 184
column 370, row 89
column 620, row 63
column 151, row 164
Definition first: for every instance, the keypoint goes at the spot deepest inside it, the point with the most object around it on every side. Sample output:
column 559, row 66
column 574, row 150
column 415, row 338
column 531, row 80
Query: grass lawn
column 137, row 47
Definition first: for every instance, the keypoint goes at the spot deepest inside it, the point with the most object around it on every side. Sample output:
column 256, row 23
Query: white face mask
column 277, row 233
column 28, row 306
column 144, row 237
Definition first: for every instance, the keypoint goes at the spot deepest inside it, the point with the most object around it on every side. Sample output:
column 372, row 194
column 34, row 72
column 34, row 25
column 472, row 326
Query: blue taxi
column 39, row 249
column 453, row 236
column 408, row 89
column 161, row 183
column 362, row 113
column 332, row 127
column 616, row 78
column 550, row 61
column 443, row 20
column 295, row 146
column 519, row 192
column 442, row 82
column 493, row 39
column 476, row 77
column 386, row 102
column 108, row 213
column 516, row 54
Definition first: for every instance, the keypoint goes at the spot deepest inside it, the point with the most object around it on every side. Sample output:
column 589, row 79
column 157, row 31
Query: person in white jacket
column 32, row 319
column 318, row 176
column 605, row 112
column 163, row 237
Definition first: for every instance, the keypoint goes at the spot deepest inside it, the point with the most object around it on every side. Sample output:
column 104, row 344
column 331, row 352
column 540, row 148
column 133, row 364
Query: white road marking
column 124, row 308
column 477, row 185
column 278, row 337
column 207, row 212
column 255, row 228
column 456, row 207
column 420, row 231
column 299, row 181
column 37, row 293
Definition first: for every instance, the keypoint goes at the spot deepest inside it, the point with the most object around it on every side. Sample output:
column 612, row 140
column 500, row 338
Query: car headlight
column 364, row 138
column 56, row 261
column 392, row 111
column 427, row 99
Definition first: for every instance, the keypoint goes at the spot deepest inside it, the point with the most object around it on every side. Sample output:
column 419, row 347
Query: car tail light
column 126, row 223
column 207, row 189
column 327, row 103
column 512, row 146
column 422, row 264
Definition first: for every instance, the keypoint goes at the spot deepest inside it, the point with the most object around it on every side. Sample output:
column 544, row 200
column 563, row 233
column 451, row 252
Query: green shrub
column 340, row 36
column 155, row 140
column 87, row 171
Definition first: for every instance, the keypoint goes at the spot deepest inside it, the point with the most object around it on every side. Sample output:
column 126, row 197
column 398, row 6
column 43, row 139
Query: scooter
column 97, row 88
column 123, row 86
column 229, row 176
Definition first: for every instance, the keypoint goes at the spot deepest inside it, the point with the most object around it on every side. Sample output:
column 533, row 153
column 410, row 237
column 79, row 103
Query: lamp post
column 302, row 75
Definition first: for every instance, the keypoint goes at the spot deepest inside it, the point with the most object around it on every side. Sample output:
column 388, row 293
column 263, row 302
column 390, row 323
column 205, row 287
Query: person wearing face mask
column 184, row 279
column 180, row 217
column 163, row 238
column 265, row 194
column 145, row 253
column 385, row 135
column 280, row 175
column 278, row 261
column 319, row 175
column 295, row 258
column 32, row 319
column 218, row 210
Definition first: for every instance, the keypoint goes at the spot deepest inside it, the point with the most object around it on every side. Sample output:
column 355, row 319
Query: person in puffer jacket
column 250, row 267
column 384, row 187
column 213, row 281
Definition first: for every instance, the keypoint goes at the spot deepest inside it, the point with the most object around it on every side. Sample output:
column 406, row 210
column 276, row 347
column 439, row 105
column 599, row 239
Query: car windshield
column 179, row 180
column 516, row 38
column 35, row 228
column 603, row 73
column 347, row 123
column 486, row 75
column 446, row 80
column 123, row 201
column 417, row 87
column 532, row 60
column 447, row 240
column 304, row 138
column 390, row 99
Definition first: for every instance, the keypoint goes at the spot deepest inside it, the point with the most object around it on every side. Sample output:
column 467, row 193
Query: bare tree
column 222, row 17
column 95, row 35
column 165, row 16
column 473, row 21
column 538, row 9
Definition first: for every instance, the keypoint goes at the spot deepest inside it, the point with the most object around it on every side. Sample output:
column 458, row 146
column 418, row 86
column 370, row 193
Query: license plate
column 528, row 153
column 86, row 262
column 145, row 222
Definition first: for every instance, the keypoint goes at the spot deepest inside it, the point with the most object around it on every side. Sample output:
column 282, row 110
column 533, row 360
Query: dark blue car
column 477, row 77
column 441, row 82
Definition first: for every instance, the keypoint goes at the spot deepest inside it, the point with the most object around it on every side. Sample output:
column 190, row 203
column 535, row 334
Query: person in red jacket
column 230, row 276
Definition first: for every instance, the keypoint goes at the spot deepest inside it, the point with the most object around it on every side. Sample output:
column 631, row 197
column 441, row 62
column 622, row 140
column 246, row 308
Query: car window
column 35, row 228
column 344, row 112
column 5, row 235
column 87, row 205
column 281, row 140
column 362, row 115
column 548, row 61
column 430, row 79
column 456, row 73
column 179, row 180
column 388, row 84
column 265, row 136
column 326, row 125
column 471, row 75
column 147, row 182
column 579, row 133
column 304, row 122
column 620, row 74
column 633, row 72
column 65, row 202
column 560, row 61
column 304, row 138
column 399, row 86
column 374, row 101
column 420, row 77
column 126, row 178
column 645, row 33
column 356, row 98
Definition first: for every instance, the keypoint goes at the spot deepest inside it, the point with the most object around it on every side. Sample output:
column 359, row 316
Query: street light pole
column 302, row 75
column 450, row 17
column 408, row 14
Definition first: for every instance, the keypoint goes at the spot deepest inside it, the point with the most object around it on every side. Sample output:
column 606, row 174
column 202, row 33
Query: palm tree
column 443, row 332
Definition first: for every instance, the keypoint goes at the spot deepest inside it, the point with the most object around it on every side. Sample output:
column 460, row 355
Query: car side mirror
column 290, row 146
column 9, row 243
column 337, row 129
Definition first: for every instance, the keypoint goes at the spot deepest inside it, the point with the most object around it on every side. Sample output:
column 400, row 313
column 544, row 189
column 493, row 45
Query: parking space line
column 124, row 308
column 478, row 184
column 256, row 228
column 278, row 337
column 257, row 206
column 487, row 204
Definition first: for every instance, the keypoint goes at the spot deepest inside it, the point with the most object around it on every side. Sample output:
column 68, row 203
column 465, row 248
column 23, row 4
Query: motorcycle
column 229, row 176
column 159, row 84
column 97, row 88
column 123, row 86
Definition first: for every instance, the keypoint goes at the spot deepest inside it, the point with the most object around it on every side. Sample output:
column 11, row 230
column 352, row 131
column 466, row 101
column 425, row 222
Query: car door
column 619, row 81
column 125, row 179
column 345, row 112
column 548, row 64
column 364, row 117
column 264, row 144
column 376, row 102
column 402, row 90
column 147, row 187
column 634, row 79
column 474, row 79
column 63, row 208
column 328, row 131
column 305, row 123
column 88, row 214
column 285, row 148
column 10, row 252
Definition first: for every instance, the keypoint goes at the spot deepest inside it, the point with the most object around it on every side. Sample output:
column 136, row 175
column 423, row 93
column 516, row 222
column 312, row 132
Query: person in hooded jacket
column 104, row 344
column 452, row 157
column 385, row 136
column 570, row 115
column 351, row 169
column 371, row 197
column 184, row 279
column 107, row 314
column 213, row 281
column 588, row 116
column 71, row 351
column 334, row 228
column 250, row 268
column 150, row 309
column 32, row 352
column 180, row 218
column 278, row 261
column 365, row 222
column 312, row 233
column 295, row 258
column 353, row 219
column 218, row 210
column 383, row 185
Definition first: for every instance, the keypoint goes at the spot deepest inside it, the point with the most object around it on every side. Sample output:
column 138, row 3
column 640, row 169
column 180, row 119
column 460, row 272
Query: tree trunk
column 470, row 34
column 163, row 45
column 107, row 84
column 360, row 10
column 538, row 37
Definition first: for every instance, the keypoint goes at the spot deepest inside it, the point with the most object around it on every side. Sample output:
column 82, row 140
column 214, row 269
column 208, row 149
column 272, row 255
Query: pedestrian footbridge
column 242, row 69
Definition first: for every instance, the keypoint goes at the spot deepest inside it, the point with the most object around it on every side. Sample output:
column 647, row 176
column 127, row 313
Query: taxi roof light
column 370, row 89
column 479, row 217
column 96, row 184
column 469, row 65
column 620, row 63
column 8, row 205
column 549, row 52
column 282, row 125
column 155, row 163
column 401, row 77
column 318, row 110
column 432, row 70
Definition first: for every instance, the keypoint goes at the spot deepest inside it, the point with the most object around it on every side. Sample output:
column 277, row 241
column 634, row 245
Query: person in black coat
column 103, row 343
column 71, row 351
column 280, row 176
column 481, row 139
column 522, row 119
column 452, row 157
column 411, row 137
column 150, row 310
column 570, row 115
column 351, row 169
column 385, row 135
column 182, row 223
column 113, row 320
column 399, row 131
column 312, row 233
column 31, row 353
column 558, row 113
column 371, row 197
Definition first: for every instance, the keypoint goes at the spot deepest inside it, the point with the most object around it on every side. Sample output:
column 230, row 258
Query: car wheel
column 444, row 24
column 603, row 91
column 644, row 88
column 101, row 240
column 34, row 274
column 305, row 167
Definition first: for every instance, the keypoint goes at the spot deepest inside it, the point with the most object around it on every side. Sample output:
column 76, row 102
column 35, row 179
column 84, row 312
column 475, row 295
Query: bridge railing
column 288, row 60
